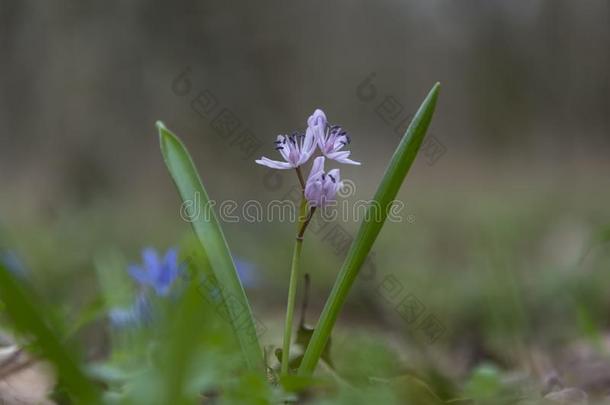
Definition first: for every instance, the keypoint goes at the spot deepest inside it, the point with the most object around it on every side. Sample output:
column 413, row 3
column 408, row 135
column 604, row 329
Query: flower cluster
column 322, row 187
column 156, row 272
column 157, row 275
column 296, row 149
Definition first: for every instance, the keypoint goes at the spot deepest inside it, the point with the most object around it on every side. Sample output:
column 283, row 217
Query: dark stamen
column 332, row 178
column 279, row 147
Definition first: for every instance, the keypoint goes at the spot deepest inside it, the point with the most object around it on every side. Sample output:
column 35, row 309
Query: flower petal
column 308, row 147
column 171, row 259
column 313, row 193
column 151, row 262
column 318, row 123
column 317, row 119
column 335, row 175
column 330, row 184
column 348, row 161
column 342, row 157
column 284, row 147
column 317, row 168
column 170, row 269
column 274, row 164
column 246, row 272
column 139, row 274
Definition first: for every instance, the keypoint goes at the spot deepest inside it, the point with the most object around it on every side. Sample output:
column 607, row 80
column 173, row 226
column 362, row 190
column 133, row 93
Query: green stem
column 294, row 279
column 302, row 222
column 292, row 293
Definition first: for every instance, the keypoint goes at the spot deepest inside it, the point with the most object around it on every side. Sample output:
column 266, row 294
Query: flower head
column 331, row 138
column 156, row 272
column 322, row 187
column 296, row 149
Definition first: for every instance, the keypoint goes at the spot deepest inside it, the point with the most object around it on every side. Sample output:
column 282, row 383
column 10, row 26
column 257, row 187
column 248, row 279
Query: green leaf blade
column 369, row 229
column 210, row 235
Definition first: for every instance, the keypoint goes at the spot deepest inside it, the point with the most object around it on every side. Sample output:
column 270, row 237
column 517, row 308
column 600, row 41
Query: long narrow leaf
column 208, row 231
column 26, row 315
column 369, row 229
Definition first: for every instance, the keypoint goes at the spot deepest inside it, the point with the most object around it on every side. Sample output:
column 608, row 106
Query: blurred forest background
column 516, row 198
column 524, row 83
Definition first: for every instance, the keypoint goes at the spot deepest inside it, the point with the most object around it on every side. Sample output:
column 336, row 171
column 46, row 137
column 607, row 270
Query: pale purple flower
column 330, row 138
column 322, row 187
column 296, row 149
column 156, row 272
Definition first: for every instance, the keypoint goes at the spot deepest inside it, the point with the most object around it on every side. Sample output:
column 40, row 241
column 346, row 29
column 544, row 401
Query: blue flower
column 137, row 314
column 156, row 272
column 246, row 271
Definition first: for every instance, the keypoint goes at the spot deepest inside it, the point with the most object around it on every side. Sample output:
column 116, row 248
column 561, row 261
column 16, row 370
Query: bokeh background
column 505, row 239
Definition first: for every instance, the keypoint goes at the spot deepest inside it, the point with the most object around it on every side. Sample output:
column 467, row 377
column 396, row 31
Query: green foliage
column 25, row 312
column 485, row 383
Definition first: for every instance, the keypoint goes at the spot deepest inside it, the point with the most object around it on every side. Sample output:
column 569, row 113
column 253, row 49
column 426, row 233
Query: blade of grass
column 369, row 229
column 213, row 243
column 26, row 315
